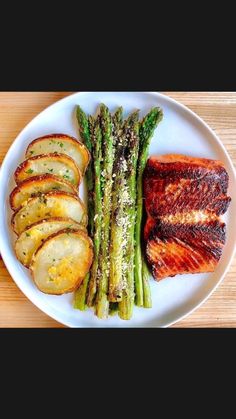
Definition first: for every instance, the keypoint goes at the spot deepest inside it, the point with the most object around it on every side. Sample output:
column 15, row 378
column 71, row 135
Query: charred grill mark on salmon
column 184, row 198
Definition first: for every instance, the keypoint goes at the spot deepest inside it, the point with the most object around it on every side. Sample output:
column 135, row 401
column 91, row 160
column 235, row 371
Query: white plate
column 181, row 131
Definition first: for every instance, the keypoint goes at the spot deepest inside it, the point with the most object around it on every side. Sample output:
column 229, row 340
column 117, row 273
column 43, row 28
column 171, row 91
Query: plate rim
column 43, row 305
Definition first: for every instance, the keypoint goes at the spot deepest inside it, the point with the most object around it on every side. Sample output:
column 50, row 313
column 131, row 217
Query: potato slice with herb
column 60, row 143
column 50, row 205
column 30, row 239
column 62, row 261
column 37, row 185
column 54, row 164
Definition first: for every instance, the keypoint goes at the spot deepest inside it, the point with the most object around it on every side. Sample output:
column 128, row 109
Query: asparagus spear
column 127, row 302
column 146, row 131
column 84, row 129
column 85, row 133
column 117, row 124
column 97, row 157
column 80, row 294
column 113, row 309
column 102, row 304
column 147, row 298
column 118, row 222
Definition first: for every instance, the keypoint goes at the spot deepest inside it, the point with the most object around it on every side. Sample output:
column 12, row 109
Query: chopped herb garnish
column 60, row 144
column 29, row 171
column 27, row 234
column 24, row 253
column 31, row 151
column 42, row 199
column 54, row 260
column 67, row 177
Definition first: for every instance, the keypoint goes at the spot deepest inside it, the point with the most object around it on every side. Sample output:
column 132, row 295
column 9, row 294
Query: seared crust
column 41, row 179
column 173, row 158
column 81, row 234
column 176, row 186
column 21, row 171
column 185, row 248
column 186, row 167
column 209, row 237
column 184, row 197
column 63, row 137
column 171, row 257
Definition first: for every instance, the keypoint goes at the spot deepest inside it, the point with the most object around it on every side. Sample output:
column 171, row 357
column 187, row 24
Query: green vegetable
column 84, row 129
column 97, row 157
column 119, row 276
column 119, row 218
column 147, row 298
column 80, row 295
column 131, row 132
column 116, row 241
column 146, row 131
column 102, row 304
column 113, row 309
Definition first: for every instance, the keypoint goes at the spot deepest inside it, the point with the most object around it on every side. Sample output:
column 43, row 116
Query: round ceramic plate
column 181, row 131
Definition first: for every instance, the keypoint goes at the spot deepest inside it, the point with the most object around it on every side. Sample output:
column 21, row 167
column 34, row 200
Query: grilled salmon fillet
column 184, row 198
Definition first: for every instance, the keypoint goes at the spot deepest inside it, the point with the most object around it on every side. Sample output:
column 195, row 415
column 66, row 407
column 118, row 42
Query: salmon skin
column 184, row 198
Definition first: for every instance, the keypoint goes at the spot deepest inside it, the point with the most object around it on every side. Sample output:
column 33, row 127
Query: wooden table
column 217, row 109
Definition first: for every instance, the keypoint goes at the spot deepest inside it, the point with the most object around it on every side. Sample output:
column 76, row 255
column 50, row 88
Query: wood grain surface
column 217, row 109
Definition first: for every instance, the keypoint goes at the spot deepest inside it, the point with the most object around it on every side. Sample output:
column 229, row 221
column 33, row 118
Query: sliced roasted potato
column 55, row 164
column 37, row 185
column 60, row 143
column 62, row 261
column 30, row 240
column 52, row 204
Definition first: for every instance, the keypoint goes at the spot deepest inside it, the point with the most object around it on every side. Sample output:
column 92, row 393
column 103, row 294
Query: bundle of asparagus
column 119, row 277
